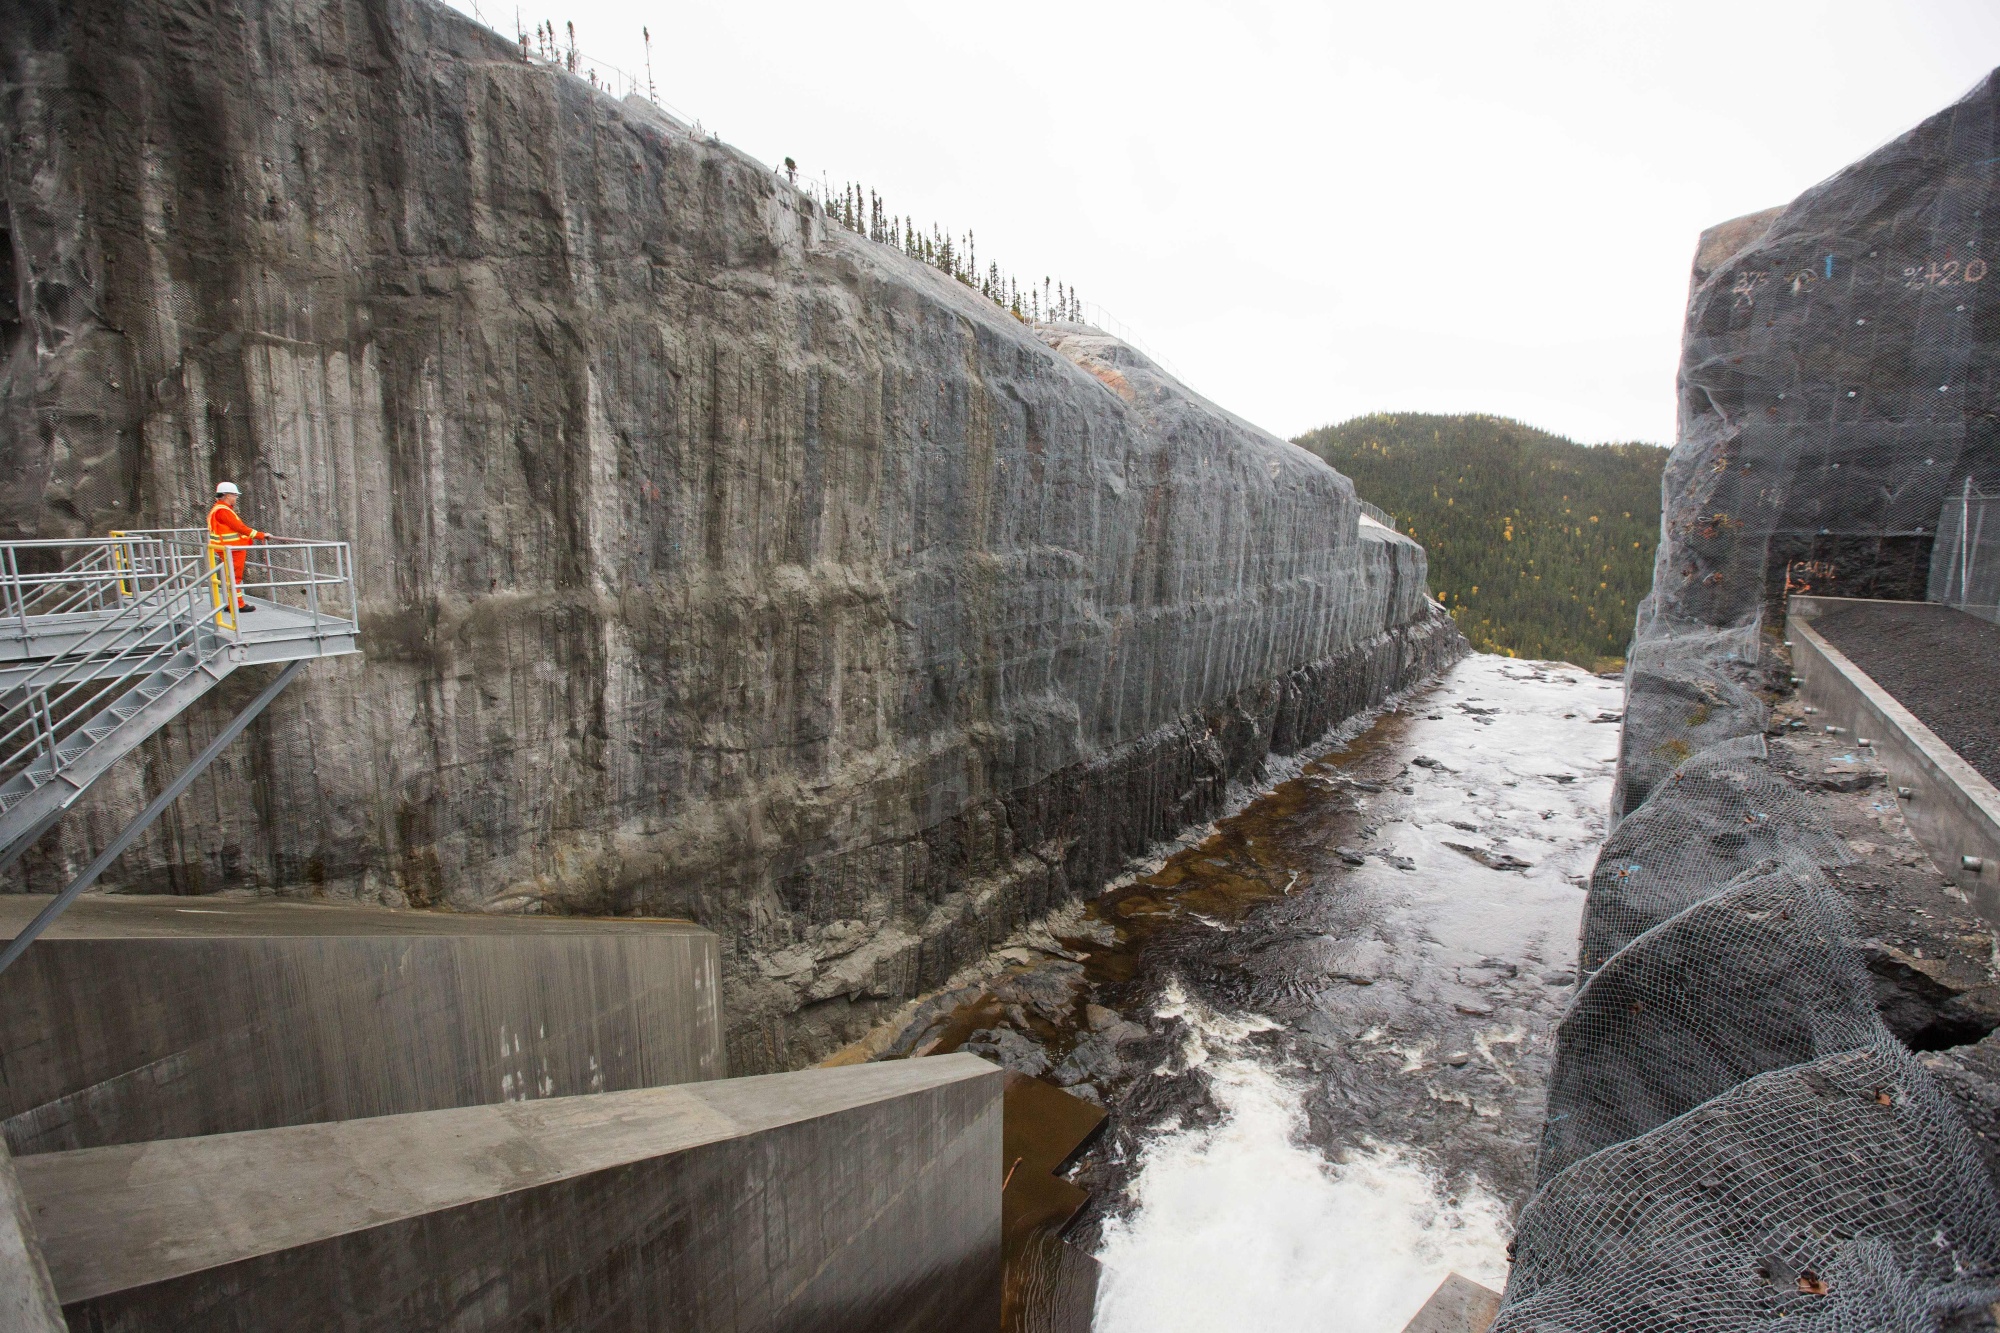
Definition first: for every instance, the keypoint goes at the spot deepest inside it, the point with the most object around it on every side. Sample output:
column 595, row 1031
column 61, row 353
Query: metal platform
column 273, row 632
column 105, row 640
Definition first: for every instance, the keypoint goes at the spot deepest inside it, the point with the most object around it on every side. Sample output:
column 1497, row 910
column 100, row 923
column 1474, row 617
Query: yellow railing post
column 221, row 577
column 120, row 563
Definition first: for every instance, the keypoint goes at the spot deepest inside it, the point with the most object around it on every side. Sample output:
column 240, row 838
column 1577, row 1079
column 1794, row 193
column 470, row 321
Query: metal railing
column 313, row 578
column 1098, row 317
column 108, row 611
column 102, row 579
column 1379, row 514
column 119, row 635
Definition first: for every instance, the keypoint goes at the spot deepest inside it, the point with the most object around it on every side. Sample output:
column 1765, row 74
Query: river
column 1348, row 990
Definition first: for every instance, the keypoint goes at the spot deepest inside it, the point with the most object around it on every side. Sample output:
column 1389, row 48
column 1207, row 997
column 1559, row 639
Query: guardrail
column 89, row 616
column 124, row 606
column 314, row 578
column 102, row 579
column 1098, row 317
column 1379, row 514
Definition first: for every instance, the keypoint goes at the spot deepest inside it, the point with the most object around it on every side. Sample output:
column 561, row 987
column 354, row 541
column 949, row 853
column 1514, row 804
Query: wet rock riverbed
column 1321, row 1025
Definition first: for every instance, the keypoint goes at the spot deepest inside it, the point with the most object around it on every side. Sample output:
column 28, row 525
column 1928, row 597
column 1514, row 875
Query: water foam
column 1237, row 1226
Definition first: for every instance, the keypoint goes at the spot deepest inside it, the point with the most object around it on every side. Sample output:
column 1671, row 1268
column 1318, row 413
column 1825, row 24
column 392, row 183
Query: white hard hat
column 226, row 488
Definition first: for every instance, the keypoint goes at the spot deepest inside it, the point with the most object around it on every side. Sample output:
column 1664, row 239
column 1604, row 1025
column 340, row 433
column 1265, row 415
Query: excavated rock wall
column 1738, row 1130
column 714, row 562
column 1839, row 379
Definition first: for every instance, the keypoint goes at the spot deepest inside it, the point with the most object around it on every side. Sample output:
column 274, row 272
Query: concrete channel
column 1952, row 809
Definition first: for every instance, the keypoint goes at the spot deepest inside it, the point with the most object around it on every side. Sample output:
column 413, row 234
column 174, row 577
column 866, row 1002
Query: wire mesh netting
column 1844, row 1192
column 1686, row 692
column 1837, row 387
column 1761, row 975
column 1733, row 1136
column 1713, row 817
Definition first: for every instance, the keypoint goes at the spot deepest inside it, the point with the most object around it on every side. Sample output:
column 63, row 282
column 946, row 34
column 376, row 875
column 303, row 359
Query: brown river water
column 1321, row 1025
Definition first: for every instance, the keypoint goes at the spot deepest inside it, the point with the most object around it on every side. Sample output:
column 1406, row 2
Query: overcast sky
column 1314, row 211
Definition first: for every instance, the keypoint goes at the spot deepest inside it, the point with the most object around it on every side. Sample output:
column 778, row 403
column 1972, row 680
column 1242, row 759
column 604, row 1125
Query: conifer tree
column 865, row 212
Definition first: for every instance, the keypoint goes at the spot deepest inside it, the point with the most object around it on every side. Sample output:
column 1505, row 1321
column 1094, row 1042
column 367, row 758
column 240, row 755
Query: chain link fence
column 1965, row 563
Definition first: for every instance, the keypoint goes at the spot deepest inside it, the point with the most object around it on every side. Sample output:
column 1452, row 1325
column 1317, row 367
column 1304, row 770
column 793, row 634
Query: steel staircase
column 54, row 778
column 104, row 641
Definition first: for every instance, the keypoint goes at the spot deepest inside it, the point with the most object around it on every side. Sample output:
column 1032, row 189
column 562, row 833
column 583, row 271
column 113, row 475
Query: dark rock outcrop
column 1740, row 1128
column 1839, row 378
column 714, row 562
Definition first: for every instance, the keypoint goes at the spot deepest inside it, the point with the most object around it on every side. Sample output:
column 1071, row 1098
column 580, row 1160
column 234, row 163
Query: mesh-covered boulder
column 1709, row 820
column 1840, row 367
column 1760, row 976
column 1713, row 1159
column 1683, row 695
column 1844, row 1192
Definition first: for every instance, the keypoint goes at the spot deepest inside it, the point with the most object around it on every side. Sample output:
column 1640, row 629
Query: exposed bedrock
column 714, row 561
column 1839, row 382
column 1839, row 378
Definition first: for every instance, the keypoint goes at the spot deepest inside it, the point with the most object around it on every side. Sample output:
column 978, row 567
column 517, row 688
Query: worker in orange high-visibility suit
column 228, row 532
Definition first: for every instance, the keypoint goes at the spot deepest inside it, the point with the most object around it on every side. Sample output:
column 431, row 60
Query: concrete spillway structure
column 255, row 1115
column 155, row 1018
column 865, row 1198
column 27, row 1297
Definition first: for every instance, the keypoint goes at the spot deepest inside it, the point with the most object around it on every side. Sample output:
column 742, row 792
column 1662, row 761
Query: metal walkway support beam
column 148, row 815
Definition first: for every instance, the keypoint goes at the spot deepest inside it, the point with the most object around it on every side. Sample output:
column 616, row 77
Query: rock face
column 1840, row 377
column 1737, row 1129
column 714, row 562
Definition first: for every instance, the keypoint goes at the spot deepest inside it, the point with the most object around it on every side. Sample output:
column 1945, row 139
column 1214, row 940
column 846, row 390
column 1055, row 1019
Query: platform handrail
column 160, row 620
column 129, row 605
column 1379, row 514
column 298, row 570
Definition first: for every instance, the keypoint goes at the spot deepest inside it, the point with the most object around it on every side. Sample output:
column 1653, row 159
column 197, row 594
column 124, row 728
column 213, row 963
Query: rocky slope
column 1837, row 378
column 714, row 562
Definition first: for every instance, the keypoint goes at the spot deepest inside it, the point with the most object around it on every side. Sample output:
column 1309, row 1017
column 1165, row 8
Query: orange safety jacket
column 227, row 528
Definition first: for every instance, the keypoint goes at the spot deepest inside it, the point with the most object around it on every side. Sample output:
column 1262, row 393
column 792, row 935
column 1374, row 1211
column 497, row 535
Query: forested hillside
column 1542, row 547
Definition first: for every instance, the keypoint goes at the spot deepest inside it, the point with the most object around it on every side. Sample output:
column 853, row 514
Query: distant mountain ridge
column 1541, row 547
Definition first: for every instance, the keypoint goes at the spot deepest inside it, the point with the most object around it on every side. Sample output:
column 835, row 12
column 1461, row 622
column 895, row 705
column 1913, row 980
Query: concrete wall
column 158, row 1018
column 27, row 1296
column 1953, row 811
column 865, row 1198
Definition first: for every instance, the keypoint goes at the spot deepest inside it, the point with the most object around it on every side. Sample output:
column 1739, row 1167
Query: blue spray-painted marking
column 1829, row 266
